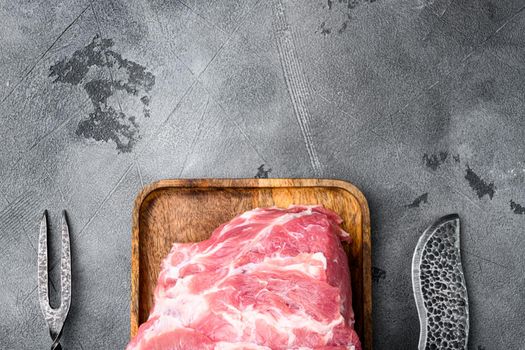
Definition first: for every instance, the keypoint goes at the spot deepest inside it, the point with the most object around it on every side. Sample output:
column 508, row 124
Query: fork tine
column 43, row 294
column 55, row 318
column 65, row 266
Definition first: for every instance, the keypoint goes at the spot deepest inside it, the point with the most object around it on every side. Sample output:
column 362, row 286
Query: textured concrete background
column 420, row 103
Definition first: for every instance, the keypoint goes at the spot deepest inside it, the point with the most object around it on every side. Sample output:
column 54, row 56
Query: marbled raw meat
column 270, row 278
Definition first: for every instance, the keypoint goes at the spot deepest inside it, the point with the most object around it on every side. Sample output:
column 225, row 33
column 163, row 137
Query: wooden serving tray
column 187, row 210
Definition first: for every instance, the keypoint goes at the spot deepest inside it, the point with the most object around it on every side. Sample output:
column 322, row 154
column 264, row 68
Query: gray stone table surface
column 420, row 103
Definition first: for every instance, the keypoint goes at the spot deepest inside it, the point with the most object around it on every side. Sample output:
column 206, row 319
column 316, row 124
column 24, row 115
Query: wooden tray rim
column 255, row 183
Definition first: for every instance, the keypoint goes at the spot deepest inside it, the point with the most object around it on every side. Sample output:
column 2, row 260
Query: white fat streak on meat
column 302, row 263
column 187, row 306
column 286, row 324
column 239, row 346
column 177, row 312
column 280, row 220
column 250, row 346
column 162, row 325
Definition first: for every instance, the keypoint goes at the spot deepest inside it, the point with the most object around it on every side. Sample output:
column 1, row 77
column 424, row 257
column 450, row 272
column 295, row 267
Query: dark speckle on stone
column 133, row 122
column 456, row 158
column 145, row 100
column 74, row 69
column 478, row 185
column 107, row 122
column 485, row 90
column 98, row 91
column 262, row 173
column 343, row 8
column 417, row 202
column 489, row 9
column 137, row 75
column 517, row 208
column 433, row 161
column 324, row 30
column 343, row 27
column 351, row 3
column 378, row 274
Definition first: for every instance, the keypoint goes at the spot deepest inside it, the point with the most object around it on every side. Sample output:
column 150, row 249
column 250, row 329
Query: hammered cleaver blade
column 439, row 287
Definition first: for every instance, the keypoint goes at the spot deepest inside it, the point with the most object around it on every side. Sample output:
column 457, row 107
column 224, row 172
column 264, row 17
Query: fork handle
column 56, row 340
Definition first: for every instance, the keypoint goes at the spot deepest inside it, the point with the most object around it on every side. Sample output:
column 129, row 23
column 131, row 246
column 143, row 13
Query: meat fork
column 55, row 317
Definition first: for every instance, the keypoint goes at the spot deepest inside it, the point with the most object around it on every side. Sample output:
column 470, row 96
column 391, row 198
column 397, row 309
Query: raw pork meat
column 270, row 278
